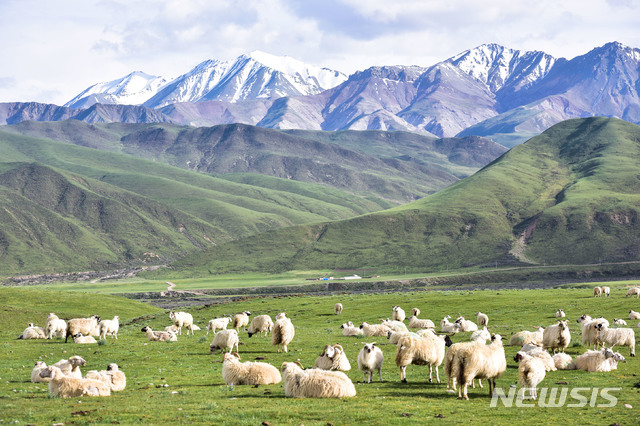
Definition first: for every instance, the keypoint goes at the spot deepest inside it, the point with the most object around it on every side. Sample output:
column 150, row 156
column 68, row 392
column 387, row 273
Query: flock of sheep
column 482, row 357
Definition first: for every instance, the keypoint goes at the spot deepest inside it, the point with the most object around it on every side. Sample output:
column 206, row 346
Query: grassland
column 195, row 392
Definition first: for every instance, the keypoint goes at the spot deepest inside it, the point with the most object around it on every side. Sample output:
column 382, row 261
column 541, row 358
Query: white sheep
column 395, row 336
column 589, row 331
column 315, row 383
column 449, row 327
column 633, row 291
column 283, row 333
column 348, row 329
column 110, row 327
column 260, row 324
column 71, row 366
column 337, row 308
column 112, row 376
column 370, row 359
column 79, row 338
column 563, row 361
column 483, row 319
column 476, row 338
column 560, row 313
column 241, row 320
column 595, row 360
column 225, row 341
column 633, row 315
column 397, row 314
column 531, row 373
column 481, row 334
column 55, row 326
column 395, row 325
column 235, row 372
column 371, row 330
column 428, row 349
column 172, row 328
column 333, row 358
column 466, row 325
column 218, row 324
column 557, row 336
column 86, row 326
column 523, row 337
column 613, row 362
column 541, row 354
column 35, row 373
column 605, row 290
column 182, row 319
column 32, row 332
column 617, row 337
column 415, row 322
column 597, row 291
column 415, row 312
column 159, row 336
column 480, row 362
column 619, row 321
column 64, row 386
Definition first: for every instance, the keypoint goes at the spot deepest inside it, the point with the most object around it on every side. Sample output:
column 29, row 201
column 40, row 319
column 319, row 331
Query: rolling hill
column 569, row 195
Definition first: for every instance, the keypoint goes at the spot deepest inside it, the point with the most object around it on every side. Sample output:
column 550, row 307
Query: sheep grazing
column 260, row 324
column 283, row 333
column 531, row 373
column 110, row 327
column 182, row 319
column 225, row 341
column 315, row 383
column 235, row 372
column 415, row 312
column 218, row 324
column 415, row 322
column 241, row 320
column 595, row 360
column 348, row 329
column 397, row 314
column 370, row 359
column 605, row 290
column 85, row 326
column 337, row 308
column 333, row 358
column 71, row 387
column 523, row 337
column 35, row 373
column 55, row 326
column 589, row 331
column 449, row 327
column 371, row 330
column 633, row 315
column 112, row 376
column 79, row 338
column 597, row 291
column 480, row 362
column 466, row 325
column 557, row 336
column 619, row 321
column 616, row 337
column 395, row 325
column 428, row 349
column 32, row 332
column 159, row 336
column 483, row 319
column 633, row 291
column 560, row 313
column 563, row 361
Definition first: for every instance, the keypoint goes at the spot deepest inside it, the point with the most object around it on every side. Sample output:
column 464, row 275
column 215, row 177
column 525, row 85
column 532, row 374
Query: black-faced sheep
column 315, row 383
column 415, row 312
column 477, row 338
column 283, row 333
column 235, row 372
column 619, row 321
column 260, row 324
column 370, row 359
column 64, row 386
column 479, row 362
column 159, row 336
column 633, row 315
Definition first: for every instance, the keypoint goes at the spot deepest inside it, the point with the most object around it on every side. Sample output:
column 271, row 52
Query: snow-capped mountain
column 132, row 89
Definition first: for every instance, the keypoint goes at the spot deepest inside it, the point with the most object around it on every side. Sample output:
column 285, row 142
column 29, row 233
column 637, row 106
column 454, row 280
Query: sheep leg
column 480, row 383
column 403, row 377
column 370, row 376
column 437, row 374
column 380, row 373
column 364, row 377
column 430, row 374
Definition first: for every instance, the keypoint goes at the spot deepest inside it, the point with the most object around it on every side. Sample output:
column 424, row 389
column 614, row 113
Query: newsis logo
column 558, row 397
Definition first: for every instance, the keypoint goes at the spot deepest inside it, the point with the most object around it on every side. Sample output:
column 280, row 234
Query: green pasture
column 195, row 392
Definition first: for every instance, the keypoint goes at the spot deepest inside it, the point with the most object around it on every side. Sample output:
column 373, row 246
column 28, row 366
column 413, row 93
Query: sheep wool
column 218, row 324
column 597, row 291
column 560, row 313
column 563, row 361
column 159, row 336
column 85, row 326
column 531, row 373
column 619, row 321
column 348, row 329
column 483, row 319
column 481, row 362
column 466, row 325
column 225, row 341
column 79, row 338
column 370, row 359
column 260, row 324
column 428, row 349
column 315, row 383
column 32, row 332
column 449, row 327
column 595, row 360
column 371, row 330
column 333, row 358
column 72, row 387
column 557, row 336
column 397, row 314
column 235, row 372
column 617, row 337
column 415, row 312
column 415, row 322
column 241, row 320
column 633, row 315
column 395, row 325
column 110, row 327
column 525, row 336
column 283, row 333
column 55, row 326
column 112, row 376
column 71, row 366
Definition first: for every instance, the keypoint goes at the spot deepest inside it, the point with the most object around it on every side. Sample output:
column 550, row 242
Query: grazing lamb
column 589, row 331
column 560, row 313
column 71, row 387
column 333, row 358
column 415, row 322
column 260, row 324
column 112, row 376
column 415, row 312
column 395, row 325
column 86, row 326
column 159, row 336
column 32, row 332
column 449, row 327
column 597, row 291
column 241, row 320
column 633, row 315
column 348, row 329
column 634, row 291
column 283, row 333
column 557, row 336
column 617, row 337
column 315, row 383
column 398, row 314
column 466, row 325
column 235, row 372
column 371, row 330
column 218, row 324
column 483, row 319
column 531, row 373
column 619, row 321
column 606, row 290
column 71, row 366
column 225, row 341
column 480, row 362
column 563, row 361
column 595, row 360
column 182, row 319
column 524, row 337
column 55, row 326
column 370, row 359
column 35, row 373
column 79, row 338
column 337, row 308
column 110, row 327
column 428, row 349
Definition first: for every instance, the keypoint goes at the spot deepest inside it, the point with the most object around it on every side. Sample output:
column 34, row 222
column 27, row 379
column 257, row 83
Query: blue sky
column 52, row 50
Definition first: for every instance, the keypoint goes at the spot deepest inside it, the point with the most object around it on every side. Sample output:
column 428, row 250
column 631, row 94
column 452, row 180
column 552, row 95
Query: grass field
column 197, row 394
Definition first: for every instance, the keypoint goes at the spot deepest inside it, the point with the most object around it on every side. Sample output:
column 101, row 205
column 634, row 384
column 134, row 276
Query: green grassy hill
column 570, row 195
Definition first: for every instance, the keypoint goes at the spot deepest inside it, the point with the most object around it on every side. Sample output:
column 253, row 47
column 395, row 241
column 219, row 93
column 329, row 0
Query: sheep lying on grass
column 595, row 360
column 395, row 325
column 235, row 372
column 428, row 349
column 112, row 377
column 32, row 332
column 525, row 336
column 619, row 321
column 480, row 362
column 617, row 337
column 110, row 327
column 218, row 324
column 35, row 373
column 560, row 313
column 348, row 329
column 395, row 336
column 333, row 358
column 79, row 338
column 466, row 325
column 449, row 327
column 55, row 326
column 337, row 308
column 159, row 336
column 633, row 315
column 563, row 361
column 557, row 336
column 371, row 330
column 260, row 324
column 224, row 341
column 71, row 366
column 315, row 383
column 415, row 322
column 182, row 319
column 71, row 387
column 370, row 359
column 283, row 332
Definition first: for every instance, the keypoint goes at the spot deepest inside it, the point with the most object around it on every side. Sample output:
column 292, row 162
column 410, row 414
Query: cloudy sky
column 52, row 50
